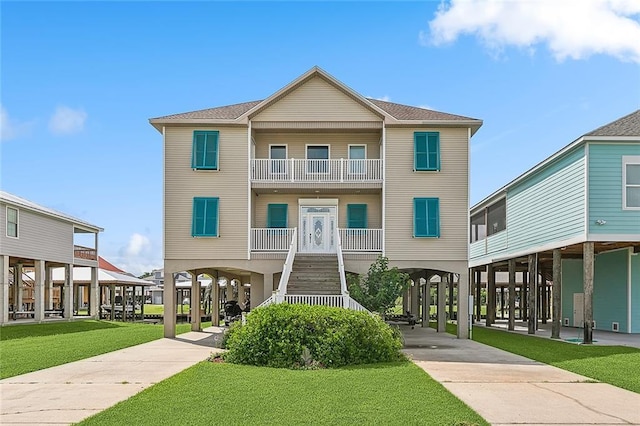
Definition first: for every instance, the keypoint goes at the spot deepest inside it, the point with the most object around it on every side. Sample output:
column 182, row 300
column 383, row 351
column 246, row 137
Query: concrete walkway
column 503, row 388
column 72, row 392
column 508, row 389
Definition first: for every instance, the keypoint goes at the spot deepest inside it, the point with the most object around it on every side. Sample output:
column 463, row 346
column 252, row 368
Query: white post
column 48, row 284
column 68, row 291
column 293, row 170
column 4, row 289
column 195, row 302
column 38, row 287
column 442, row 302
column 169, row 304
column 342, row 170
column 94, row 309
column 464, row 312
column 17, row 280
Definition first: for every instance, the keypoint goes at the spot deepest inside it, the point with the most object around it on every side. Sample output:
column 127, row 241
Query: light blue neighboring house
column 588, row 192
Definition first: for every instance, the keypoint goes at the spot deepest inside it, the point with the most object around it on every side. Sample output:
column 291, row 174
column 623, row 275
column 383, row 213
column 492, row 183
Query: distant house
column 583, row 204
column 314, row 181
column 34, row 237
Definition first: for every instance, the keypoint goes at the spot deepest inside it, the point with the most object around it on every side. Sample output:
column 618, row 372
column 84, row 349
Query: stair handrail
column 288, row 263
column 343, row 278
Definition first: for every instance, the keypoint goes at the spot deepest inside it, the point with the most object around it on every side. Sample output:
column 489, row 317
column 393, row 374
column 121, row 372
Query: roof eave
column 473, row 124
column 76, row 222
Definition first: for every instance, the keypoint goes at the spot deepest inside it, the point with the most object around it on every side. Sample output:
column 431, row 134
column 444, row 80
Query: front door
column 578, row 309
column 317, row 227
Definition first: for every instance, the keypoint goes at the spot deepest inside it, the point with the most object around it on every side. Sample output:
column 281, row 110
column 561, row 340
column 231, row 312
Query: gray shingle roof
column 406, row 112
column 398, row 111
column 629, row 125
column 229, row 112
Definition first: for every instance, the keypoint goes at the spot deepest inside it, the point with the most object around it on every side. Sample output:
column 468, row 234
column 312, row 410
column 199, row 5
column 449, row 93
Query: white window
column 278, row 159
column 12, row 222
column 317, row 158
column 631, row 182
column 357, row 159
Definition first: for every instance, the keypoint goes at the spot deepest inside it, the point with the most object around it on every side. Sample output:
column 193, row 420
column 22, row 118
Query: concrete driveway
column 508, row 389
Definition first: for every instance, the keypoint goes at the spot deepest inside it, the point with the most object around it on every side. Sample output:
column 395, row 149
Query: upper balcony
column 313, row 174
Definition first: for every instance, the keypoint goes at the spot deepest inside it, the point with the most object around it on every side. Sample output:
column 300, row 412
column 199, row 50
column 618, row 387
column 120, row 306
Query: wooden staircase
column 314, row 275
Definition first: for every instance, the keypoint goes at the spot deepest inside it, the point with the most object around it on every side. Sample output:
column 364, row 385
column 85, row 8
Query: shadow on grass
column 49, row 329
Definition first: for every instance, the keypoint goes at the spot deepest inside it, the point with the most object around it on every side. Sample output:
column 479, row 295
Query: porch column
column 169, row 305
column 478, row 295
column 38, row 290
column 4, row 289
column 94, row 309
column 543, row 297
column 241, row 295
column 426, row 303
column 17, row 279
column 532, row 294
column 442, row 303
column 588, row 258
column 463, row 305
column 415, row 292
column 68, row 291
column 48, row 289
column 229, row 289
column 450, row 282
column 215, row 302
column 512, row 294
column 195, row 302
column 524, row 297
column 257, row 292
column 491, row 295
column 405, row 301
column 267, row 286
column 556, row 291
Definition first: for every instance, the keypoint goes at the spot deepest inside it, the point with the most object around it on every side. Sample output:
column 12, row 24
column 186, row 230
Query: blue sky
column 79, row 81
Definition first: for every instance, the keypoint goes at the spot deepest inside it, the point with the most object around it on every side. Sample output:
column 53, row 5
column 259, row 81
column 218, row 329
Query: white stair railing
column 288, row 264
column 343, row 278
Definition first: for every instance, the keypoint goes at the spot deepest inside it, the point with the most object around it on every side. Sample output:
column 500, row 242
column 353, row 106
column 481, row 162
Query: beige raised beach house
column 288, row 194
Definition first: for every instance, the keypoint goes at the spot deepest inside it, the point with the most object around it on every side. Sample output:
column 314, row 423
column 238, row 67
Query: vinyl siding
column 450, row 185
column 497, row 242
column 39, row 237
column 339, row 143
column 478, row 248
column 609, row 288
column 605, row 190
column 373, row 202
column 316, row 100
column 182, row 184
column 635, row 293
column 548, row 206
column 572, row 282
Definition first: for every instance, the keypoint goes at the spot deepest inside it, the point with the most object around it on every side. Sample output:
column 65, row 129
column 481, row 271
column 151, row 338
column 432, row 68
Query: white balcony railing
column 271, row 239
column 361, row 240
column 316, row 171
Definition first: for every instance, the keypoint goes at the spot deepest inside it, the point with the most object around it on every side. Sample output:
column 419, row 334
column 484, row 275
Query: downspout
column 249, row 191
column 384, row 186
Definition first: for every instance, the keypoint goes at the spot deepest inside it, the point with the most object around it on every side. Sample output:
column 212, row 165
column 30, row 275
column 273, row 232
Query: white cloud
column 573, row 29
column 385, row 98
column 65, row 120
column 425, row 107
column 10, row 128
column 137, row 245
column 139, row 255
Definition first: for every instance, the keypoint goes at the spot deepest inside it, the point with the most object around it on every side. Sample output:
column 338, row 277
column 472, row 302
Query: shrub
column 278, row 335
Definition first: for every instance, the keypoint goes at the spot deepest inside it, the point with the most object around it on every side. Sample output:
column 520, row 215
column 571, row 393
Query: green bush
column 279, row 335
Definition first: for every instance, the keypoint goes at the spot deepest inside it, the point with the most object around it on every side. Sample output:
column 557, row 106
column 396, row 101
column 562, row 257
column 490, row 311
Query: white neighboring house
column 37, row 238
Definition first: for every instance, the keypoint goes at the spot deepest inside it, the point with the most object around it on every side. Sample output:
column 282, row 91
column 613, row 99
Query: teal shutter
column 205, row 150
column 426, row 148
column 356, row 216
column 426, row 217
column 277, row 216
column 205, row 217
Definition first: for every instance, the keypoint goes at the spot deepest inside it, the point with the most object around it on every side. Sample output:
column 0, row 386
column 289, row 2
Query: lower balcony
column 274, row 240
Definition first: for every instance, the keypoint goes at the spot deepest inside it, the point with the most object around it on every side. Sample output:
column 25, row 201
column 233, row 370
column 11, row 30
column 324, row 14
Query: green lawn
column 159, row 309
column 32, row 347
column 228, row 394
column 616, row 365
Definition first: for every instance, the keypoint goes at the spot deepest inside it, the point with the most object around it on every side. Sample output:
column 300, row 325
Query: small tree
column 380, row 288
